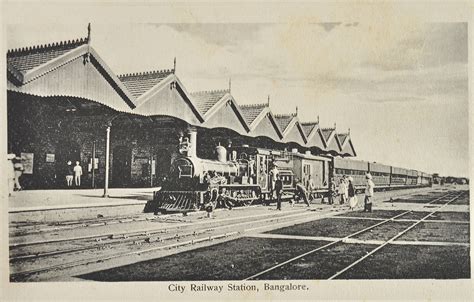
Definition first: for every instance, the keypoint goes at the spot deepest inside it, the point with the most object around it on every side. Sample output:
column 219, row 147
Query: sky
column 400, row 86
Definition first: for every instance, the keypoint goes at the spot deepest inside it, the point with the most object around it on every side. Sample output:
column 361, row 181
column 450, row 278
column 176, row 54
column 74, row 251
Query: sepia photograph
column 199, row 150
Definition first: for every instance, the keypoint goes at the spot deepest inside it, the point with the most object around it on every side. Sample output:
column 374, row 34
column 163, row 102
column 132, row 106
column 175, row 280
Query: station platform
column 44, row 200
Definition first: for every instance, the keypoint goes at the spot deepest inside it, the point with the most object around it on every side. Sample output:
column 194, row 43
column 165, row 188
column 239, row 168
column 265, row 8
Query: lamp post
column 107, row 155
column 107, row 159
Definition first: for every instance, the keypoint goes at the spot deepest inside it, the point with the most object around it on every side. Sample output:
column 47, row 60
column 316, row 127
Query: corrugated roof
column 139, row 83
column 283, row 120
column 205, row 100
column 28, row 58
column 251, row 112
column 308, row 127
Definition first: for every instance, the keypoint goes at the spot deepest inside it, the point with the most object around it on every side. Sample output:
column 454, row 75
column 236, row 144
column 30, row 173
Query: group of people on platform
column 346, row 191
column 15, row 171
column 73, row 173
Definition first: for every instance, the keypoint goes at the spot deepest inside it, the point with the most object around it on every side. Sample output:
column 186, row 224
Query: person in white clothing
column 77, row 174
column 341, row 190
column 273, row 177
column 369, row 193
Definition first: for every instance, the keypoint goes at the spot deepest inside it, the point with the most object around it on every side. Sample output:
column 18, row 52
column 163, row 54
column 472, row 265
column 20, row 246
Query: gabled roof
column 347, row 149
column 314, row 135
column 252, row 111
column 332, row 142
column 140, row 83
column 43, row 69
column 327, row 133
column 26, row 65
column 288, row 123
column 308, row 128
column 341, row 137
column 205, row 100
column 284, row 120
column 28, row 58
column 213, row 101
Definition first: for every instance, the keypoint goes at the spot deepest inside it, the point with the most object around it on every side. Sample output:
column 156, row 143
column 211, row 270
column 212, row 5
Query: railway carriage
column 398, row 177
column 308, row 168
column 380, row 174
column 242, row 176
column 412, row 177
column 357, row 169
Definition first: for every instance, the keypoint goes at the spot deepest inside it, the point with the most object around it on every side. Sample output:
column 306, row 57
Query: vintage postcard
column 242, row 151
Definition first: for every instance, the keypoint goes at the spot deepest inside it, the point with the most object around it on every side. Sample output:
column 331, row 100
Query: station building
column 66, row 104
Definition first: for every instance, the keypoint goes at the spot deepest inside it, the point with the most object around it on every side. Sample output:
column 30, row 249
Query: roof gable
column 348, row 148
column 315, row 139
column 266, row 125
column 310, row 128
column 226, row 114
column 252, row 112
column 205, row 100
column 29, row 65
column 140, row 83
column 29, row 58
column 342, row 137
column 169, row 99
column 327, row 133
column 227, row 101
column 333, row 145
column 284, row 120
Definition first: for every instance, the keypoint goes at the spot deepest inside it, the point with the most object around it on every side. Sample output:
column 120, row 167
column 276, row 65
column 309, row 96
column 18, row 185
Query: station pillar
column 107, row 159
column 192, row 132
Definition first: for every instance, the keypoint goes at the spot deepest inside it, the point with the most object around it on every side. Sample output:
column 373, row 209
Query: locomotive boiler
column 194, row 183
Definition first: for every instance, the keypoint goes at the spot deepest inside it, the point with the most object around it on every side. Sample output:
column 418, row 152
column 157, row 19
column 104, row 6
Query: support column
column 93, row 164
column 107, row 159
column 192, row 131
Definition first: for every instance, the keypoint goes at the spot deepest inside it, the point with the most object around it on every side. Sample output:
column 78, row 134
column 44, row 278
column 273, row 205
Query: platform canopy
column 74, row 69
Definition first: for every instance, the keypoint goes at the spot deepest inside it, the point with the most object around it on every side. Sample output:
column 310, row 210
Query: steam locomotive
column 241, row 176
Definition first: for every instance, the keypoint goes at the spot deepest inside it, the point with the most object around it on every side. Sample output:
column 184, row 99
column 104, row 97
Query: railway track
column 22, row 228
column 136, row 244
column 451, row 197
column 42, row 256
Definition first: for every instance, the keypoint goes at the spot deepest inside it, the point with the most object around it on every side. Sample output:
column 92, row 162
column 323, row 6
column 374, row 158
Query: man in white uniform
column 77, row 174
column 369, row 193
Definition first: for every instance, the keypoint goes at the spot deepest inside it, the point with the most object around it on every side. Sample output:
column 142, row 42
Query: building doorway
column 121, row 166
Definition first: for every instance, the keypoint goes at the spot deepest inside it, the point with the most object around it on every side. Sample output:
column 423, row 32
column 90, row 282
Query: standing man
column 77, row 174
column 342, row 191
column 18, row 167
column 273, row 176
column 369, row 193
column 278, row 190
column 11, row 173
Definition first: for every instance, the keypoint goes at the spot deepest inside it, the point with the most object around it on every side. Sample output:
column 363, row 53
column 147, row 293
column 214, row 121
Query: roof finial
column 334, row 125
column 349, row 131
column 268, row 100
column 230, row 83
column 89, row 33
column 296, row 111
column 318, row 119
column 174, row 65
